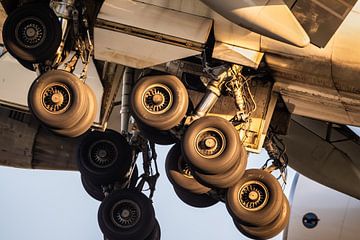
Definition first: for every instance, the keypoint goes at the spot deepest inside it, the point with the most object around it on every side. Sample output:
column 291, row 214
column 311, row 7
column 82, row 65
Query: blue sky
column 46, row 205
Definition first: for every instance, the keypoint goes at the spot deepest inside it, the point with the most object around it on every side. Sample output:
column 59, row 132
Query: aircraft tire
column 267, row 198
column 137, row 224
column 156, row 136
column 227, row 179
column 270, row 230
column 86, row 121
column 156, row 232
column 179, row 174
column 93, row 189
column 215, row 159
column 160, row 102
column 32, row 33
column 105, row 157
column 195, row 200
column 27, row 65
column 61, row 86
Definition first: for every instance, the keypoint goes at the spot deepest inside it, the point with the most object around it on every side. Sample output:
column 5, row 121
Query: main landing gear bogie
column 208, row 162
column 63, row 103
column 106, row 161
column 32, row 33
column 128, row 214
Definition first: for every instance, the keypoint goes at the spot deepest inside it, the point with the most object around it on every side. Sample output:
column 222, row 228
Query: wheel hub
column 30, row 32
column 157, row 99
column 56, row 98
column 253, row 196
column 125, row 214
column 210, row 143
column 103, row 154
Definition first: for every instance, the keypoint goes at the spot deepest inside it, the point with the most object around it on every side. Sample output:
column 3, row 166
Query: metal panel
column 141, row 35
column 134, row 51
column 271, row 18
column 319, row 103
column 234, row 54
column 156, row 19
column 224, row 30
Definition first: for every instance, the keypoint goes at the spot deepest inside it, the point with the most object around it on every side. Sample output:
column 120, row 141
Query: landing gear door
column 141, row 35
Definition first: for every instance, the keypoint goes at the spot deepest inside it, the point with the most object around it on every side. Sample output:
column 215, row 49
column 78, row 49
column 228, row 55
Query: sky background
column 45, row 205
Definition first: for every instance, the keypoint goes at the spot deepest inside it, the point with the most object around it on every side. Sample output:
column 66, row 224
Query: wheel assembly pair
column 214, row 152
column 270, row 230
column 32, row 33
column 104, row 157
column 257, row 204
column 63, row 103
column 186, row 187
column 159, row 103
column 128, row 214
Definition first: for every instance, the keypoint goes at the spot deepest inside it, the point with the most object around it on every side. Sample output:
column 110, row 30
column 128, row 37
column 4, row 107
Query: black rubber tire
column 117, row 159
column 170, row 117
column 47, row 45
column 271, row 208
column 173, row 167
column 225, row 159
column 86, row 121
column 93, row 189
column 195, row 200
column 155, row 135
column 76, row 107
column 227, row 179
column 27, row 65
column 272, row 229
column 141, row 205
column 156, row 232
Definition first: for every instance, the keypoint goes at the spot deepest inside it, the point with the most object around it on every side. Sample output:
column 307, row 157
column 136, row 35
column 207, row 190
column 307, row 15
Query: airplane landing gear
column 127, row 214
column 32, row 33
column 104, row 156
column 270, row 230
column 62, row 102
column 159, row 101
column 256, row 199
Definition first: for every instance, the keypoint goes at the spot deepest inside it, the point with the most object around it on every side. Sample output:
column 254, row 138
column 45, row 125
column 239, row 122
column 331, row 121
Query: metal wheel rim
column 56, row 98
column 157, row 99
column 125, row 214
column 216, row 137
column 30, row 32
column 253, row 196
column 103, row 154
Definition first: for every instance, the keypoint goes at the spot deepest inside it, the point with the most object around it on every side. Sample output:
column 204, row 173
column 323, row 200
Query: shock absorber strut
column 64, row 9
column 219, row 76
